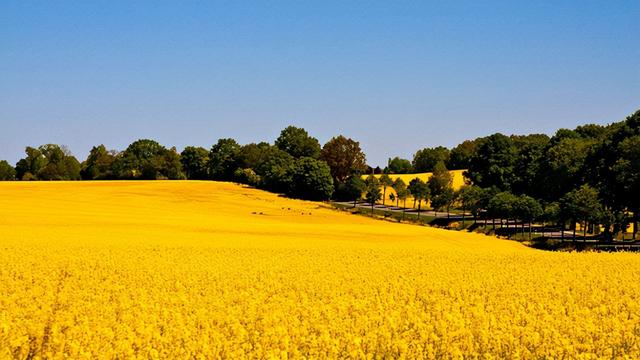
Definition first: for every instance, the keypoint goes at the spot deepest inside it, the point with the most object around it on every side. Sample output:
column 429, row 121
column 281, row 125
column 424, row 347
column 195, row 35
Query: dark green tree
column 195, row 162
column 493, row 162
column 7, row 172
column 402, row 193
column 398, row 166
column 385, row 182
column 527, row 209
column 461, row 155
column 354, row 187
column 420, row 192
column 31, row 165
column 441, row 187
column 470, row 197
column 147, row 159
column 501, row 206
column 297, row 142
column 581, row 205
column 247, row 176
column 426, row 159
column 223, row 159
column 98, row 164
column 311, row 180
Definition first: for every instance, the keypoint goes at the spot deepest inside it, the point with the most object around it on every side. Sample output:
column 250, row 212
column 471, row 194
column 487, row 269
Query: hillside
column 176, row 269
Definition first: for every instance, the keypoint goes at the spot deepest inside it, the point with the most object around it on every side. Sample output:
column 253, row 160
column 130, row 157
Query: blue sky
column 395, row 75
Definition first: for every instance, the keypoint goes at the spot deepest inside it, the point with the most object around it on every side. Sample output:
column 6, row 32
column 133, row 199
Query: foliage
column 195, row 162
column 7, row 172
column 344, row 157
column 311, row 179
column 460, row 156
column 48, row 162
column 223, row 159
column 297, row 142
column 582, row 204
column 352, row 188
column 147, row 159
column 493, row 163
column 419, row 190
column 247, row 176
column 98, row 165
column 426, row 159
column 398, row 166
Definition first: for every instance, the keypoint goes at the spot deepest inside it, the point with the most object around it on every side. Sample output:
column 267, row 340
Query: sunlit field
column 214, row 270
column 457, row 181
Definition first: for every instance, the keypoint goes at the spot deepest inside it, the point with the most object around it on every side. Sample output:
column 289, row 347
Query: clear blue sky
column 395, row 75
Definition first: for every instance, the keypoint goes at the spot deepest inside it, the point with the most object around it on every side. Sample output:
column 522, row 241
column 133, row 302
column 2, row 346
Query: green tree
column 98, row 164
column 562, row 168
column 223, row 160
column 420, row 191
column 344, row 157
column 501, row 206
column 461, row 155
column 354, row 187
column 581, row 205
column 527, row 209
column 297, row 142
column 247, row 176
column 195, row 161
column 530, row 151
column 493, row 163
column 441, row 187
column 426, row 159
column 398, row 166
column 311, row 179
column 31, row 165
column 147, row 159
column 402, row 193
column 627, row 175
column 385, row 182
column 276, row 172
column 48, row 162
column 7, row 172
column 373, row 192
column 470, row 199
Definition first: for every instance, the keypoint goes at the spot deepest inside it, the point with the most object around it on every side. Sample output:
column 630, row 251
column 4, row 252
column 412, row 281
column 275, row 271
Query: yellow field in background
column 214, row 270
column 458, row 181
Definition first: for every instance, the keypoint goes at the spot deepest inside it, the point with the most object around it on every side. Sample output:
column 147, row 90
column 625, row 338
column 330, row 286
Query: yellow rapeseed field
column 457, row 181
column 102, row 270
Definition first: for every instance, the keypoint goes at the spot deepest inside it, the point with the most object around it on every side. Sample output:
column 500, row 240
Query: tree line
column 295, row 164
column 589, row 175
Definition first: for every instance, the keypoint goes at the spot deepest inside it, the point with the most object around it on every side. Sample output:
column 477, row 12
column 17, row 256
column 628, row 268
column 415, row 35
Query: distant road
column 395, row 209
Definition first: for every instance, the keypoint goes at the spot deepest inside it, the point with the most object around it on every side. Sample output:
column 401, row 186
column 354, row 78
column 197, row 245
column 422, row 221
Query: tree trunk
column 372, row 203
column 562, row 230
column 584, row 232
column 635, row 223
column 419, row 204
column 384, row 195
column 523, row 229
column 404, row 208
column 574, row 231
column 463, row 209
column 530, row 225
column 355, row 201
column 494, row 224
